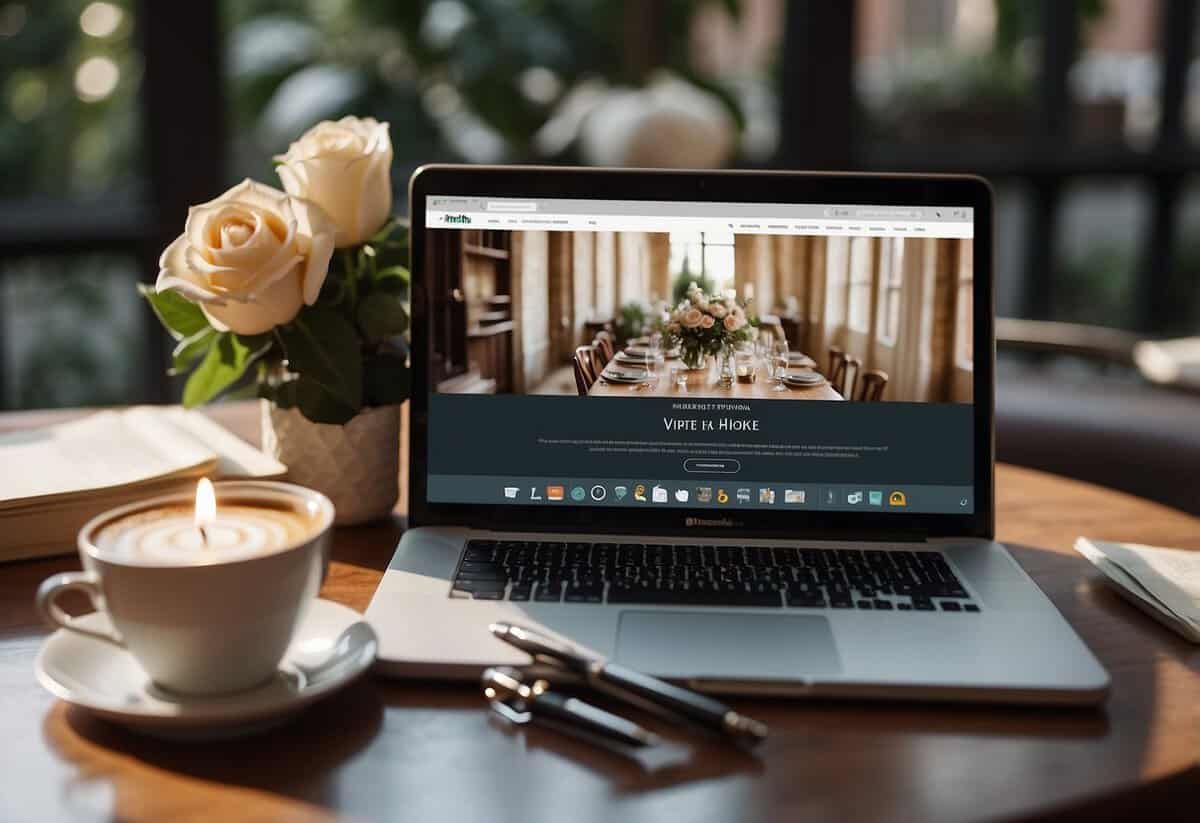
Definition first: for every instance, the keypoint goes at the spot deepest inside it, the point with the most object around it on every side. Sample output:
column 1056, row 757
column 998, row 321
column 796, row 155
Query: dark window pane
column 1100, row 229
column 1115, row 81
column 72, row 331
column 69, row 77
column 945, row 70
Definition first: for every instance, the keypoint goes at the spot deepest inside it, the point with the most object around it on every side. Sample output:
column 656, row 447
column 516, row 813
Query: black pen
column 700, row 709
column 518, row 701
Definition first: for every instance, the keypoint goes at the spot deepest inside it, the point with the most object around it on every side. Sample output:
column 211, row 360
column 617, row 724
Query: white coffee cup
column 211, row 626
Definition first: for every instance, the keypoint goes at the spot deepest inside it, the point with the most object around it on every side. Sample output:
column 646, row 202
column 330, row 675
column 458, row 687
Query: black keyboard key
column 970, row 607
column 904, row 607
column 865, row 604
column 841, row 604
column 520, row 593
column 490, row 575
column 884, row 605
column 693, row 596
column 922, row 604
column 489, row 594
column 480, row 550
column 475, row 586
column 950, row 606
column 477, row 566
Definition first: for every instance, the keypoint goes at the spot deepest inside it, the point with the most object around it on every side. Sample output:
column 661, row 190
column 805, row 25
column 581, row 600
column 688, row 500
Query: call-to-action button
column 704, row 465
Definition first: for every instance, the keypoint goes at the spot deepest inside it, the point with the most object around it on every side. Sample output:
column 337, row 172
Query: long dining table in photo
column 632, row 376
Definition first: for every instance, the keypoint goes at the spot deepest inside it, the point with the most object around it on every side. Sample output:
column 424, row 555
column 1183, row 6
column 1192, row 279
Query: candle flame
column 206, row 504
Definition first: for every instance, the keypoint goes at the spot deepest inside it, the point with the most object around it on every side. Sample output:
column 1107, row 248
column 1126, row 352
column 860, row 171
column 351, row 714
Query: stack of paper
column 1165, row 583
column 55, row 479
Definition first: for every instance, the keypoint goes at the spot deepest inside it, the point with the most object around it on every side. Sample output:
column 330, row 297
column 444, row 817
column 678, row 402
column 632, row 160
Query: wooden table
column 703, row 383
column 429, row 752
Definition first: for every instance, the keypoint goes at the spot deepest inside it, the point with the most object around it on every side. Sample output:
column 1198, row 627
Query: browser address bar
column 510, row 205
column 897, row 213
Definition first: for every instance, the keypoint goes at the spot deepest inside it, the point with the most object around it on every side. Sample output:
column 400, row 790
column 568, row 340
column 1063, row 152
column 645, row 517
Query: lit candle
column 206, row 508
column 200, row 532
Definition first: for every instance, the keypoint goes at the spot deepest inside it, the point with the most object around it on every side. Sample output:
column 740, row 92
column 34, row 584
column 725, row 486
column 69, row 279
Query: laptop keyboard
column 759, row 576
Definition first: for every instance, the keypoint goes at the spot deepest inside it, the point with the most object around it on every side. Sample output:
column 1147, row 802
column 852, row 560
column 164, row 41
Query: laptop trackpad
column 726, row 645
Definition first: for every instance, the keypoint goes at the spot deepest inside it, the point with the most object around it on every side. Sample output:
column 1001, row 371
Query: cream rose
column 706, row 322
column 732, row 322
column 251, row 258
column 346, row 169
column 691, row 318
column 717, row 310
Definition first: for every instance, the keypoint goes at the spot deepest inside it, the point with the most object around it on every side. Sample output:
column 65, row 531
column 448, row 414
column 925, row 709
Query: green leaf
column 322, row 346
column 381, row 316
column 181, row 317
column 190, row 349
column 400, row 273
column 386, row 380
column 313, row 401
column 225, row 363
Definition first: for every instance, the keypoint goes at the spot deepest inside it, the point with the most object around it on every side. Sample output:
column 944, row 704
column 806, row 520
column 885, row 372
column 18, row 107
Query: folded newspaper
column 1164, row 583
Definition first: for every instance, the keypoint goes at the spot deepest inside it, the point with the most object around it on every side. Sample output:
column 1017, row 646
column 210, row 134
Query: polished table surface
column 389, row 750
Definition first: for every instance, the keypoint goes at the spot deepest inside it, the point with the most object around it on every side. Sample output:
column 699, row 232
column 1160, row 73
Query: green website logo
column 457, row 218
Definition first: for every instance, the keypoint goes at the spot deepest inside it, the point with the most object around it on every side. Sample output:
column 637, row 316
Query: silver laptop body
column 752, row 556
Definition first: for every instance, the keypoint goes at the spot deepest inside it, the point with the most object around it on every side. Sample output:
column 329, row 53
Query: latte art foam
column 168, row 536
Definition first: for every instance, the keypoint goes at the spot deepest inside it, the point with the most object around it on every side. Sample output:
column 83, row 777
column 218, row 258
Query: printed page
column 1170, row 576
column 107, row 449
column 235, row 457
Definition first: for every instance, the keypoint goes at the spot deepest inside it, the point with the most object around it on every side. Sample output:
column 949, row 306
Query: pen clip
column 510, row 714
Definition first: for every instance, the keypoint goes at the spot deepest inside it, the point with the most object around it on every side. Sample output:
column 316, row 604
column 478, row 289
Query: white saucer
column 333, row 646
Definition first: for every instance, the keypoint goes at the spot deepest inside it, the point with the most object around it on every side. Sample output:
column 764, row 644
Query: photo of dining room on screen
column 715, row 313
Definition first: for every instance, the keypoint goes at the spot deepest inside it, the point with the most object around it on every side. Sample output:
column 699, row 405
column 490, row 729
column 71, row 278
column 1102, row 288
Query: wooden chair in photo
column 844, row 374
column 605, row 348
column 836, row 356
column 871, row 385
column 584, row 363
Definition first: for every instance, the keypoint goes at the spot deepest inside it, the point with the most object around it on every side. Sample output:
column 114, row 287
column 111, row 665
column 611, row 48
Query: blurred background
column 116, row 115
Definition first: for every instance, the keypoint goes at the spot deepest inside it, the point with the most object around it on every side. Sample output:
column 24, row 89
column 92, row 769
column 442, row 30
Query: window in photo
column 964, row 327
column 891, row 282
column 858, row 296
column 706, row 254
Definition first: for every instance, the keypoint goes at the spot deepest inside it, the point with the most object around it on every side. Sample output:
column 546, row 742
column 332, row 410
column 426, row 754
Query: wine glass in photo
column 779, row 361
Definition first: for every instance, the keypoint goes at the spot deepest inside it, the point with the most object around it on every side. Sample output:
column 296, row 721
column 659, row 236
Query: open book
column 1164, row 583
column 55, row 479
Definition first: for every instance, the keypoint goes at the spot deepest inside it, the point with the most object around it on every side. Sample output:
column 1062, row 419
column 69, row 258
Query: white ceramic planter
column 356, row 465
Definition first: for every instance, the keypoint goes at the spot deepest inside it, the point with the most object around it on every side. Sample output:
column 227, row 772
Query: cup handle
column 52, row 613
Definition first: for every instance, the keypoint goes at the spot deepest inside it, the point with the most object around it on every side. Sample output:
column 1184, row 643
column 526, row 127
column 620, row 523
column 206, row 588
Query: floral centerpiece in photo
column 706, row 324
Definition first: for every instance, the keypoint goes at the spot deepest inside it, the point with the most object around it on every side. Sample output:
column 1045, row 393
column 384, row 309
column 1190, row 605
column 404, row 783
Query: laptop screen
column 700, row 355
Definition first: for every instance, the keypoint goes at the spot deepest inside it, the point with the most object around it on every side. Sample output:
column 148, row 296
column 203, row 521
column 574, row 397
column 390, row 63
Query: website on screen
column 700, row 355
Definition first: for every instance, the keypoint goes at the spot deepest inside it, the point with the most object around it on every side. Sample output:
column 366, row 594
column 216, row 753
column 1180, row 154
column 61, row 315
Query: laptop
column 733, row 429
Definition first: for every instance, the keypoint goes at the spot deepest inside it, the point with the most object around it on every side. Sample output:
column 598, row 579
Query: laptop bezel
column 718, row 186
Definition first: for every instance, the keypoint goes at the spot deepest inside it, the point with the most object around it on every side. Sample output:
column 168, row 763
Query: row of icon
column 703, row 494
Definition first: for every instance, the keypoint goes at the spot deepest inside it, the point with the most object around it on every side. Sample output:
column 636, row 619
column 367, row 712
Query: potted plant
column 706, row 324
column 302, row 293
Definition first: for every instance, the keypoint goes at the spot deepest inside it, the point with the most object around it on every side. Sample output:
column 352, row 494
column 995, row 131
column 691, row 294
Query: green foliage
column 684, row 280
column 376, row 58
column 181, row 317
column 324, row 348
column 346, row 352
column 631, row 321
column 228, row 357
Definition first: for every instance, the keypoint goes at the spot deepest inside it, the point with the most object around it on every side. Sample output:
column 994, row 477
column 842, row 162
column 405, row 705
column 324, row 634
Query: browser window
column 701, row 355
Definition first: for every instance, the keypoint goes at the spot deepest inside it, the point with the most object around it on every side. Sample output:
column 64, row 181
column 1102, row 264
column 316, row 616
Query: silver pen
column 519, row 699
column 700, row 709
